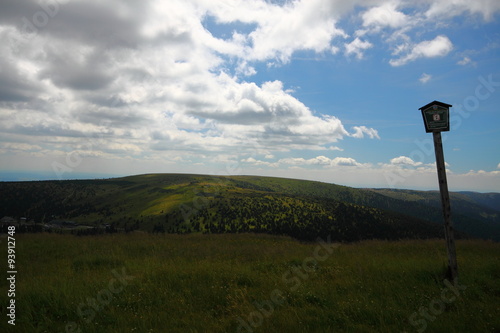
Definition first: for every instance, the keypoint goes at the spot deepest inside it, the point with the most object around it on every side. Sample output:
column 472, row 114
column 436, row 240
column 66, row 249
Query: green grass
column 204, row 283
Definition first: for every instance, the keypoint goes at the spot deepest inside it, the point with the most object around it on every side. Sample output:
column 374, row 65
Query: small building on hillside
column 62, row 224
column 8, row 220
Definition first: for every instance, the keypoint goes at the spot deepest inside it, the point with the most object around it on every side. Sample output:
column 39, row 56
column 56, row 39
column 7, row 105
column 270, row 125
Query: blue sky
column 309, row 89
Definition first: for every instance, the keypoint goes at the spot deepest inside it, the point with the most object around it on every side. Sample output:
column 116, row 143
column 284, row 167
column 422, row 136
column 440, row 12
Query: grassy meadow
column 140, row 282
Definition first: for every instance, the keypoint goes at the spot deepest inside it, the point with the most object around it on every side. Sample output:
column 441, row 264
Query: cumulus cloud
column 357, row 47
column 425, row 78
column 404, row 160
column 150, row 74
column 280, row 29
column 406, row 165
column 360, row 132
column 269, row 115
column 438, row 47
column 315, row 161
column 253, row 161
column 153, row 79
column 345, row 161
column 303, row 25
column 318, row 162
column 441, row 9
column 464, row 61
column 384, row 15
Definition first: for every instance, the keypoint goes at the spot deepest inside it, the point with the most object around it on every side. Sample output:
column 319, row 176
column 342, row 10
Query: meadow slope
column 182, row 203
column 248, row 283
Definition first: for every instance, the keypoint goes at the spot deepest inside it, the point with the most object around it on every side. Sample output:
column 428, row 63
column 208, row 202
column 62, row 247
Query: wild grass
column 220, row 283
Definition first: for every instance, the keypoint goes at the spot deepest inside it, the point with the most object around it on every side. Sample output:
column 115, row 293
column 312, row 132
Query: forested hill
column 182, row 203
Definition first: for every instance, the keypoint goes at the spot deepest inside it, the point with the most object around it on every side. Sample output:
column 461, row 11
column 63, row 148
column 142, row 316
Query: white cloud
column 425, row 78
column 481, row 172
column 404, row 167
column 149, row 81
column 480, row 180
column 357, row 47
column 267, row 114
column 318, row 161
column 443, row 9
column 253, row 161
column 334, row 49
column 360, row 132
column 384, row 15
column 438, row 47
column 464, row 61
column 404, row 161
column 321, row 161
column 498, row 166
column 344, row 161
column 281, row 29
column 164, row 94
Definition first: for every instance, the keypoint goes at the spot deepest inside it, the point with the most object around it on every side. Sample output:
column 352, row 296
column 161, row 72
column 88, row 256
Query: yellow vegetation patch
column 176, row 186
column 163, row 205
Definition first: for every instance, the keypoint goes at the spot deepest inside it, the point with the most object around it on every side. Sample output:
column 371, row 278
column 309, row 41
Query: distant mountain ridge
column 491, row 200
column 184, row 203
column 468, row 211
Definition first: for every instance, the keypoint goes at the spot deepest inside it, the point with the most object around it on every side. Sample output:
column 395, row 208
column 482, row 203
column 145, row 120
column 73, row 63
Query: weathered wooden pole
column 445, row 203
column 437, row 119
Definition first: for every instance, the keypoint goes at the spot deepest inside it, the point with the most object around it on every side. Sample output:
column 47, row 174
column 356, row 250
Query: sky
column 325, row 90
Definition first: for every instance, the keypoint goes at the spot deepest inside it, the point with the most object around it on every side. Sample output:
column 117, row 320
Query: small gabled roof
column 436, row 103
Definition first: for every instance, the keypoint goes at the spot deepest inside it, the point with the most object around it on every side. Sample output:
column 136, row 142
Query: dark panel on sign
column 436, row 116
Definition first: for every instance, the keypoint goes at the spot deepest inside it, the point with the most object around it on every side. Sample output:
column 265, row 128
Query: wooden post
column 445, row 202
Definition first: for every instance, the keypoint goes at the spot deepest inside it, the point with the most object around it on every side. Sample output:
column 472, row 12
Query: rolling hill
column 184, row 203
